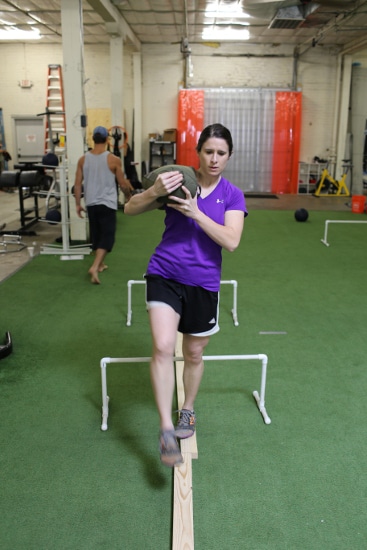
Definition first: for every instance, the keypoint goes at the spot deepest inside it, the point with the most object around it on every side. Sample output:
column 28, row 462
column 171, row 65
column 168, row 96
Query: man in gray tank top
column 99, row 171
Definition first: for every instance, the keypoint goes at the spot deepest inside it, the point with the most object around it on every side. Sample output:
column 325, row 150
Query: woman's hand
column 167, row 182
column 188, row 206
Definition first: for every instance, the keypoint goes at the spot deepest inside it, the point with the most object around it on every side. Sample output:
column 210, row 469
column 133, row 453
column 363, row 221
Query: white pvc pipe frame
column 260, row 399
column 324, row 240
column 67, row 251
column 132, row 282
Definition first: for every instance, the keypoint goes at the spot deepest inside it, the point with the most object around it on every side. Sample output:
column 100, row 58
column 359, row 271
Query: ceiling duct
column 292, row 17
column 287, row 18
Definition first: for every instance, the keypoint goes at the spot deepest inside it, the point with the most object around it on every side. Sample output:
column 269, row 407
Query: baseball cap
column 100, row 130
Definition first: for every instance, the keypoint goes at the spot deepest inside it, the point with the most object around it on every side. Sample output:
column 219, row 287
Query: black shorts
column 102, row 226
column 197, row 307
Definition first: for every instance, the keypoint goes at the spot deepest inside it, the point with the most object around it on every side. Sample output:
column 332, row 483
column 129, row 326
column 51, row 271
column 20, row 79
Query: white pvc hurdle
column 142, row 282
column 324, row 240
column 260, row 399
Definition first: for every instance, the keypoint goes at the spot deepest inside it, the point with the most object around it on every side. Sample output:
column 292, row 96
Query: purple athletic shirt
column 186, row 253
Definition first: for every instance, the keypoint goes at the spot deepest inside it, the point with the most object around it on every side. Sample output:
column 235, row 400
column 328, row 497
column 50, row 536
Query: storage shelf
column 309, row 175
column 161, row 153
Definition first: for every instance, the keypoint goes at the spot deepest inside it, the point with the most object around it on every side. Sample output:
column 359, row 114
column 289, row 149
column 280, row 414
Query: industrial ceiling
column 331, row 23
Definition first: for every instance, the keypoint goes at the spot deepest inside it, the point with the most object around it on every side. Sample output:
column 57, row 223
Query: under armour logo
column 220, row 200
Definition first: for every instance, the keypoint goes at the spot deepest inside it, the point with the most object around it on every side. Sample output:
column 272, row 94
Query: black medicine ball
column 50, row 160
column 301, row 215
column 73, row 191
column 53, row 216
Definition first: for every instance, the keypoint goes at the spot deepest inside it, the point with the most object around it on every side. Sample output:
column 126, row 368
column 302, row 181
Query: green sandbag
column 189, row 180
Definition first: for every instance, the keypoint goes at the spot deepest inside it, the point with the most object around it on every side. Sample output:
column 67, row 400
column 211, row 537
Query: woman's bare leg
column 193, row 349
column 163, row 322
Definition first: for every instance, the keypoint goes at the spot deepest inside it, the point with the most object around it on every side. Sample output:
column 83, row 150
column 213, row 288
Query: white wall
column 246, row 66
column 30, row 61
column 24, row 62
column 317, row 78
column 162, row 77
column 232, row 65
column 240, row 65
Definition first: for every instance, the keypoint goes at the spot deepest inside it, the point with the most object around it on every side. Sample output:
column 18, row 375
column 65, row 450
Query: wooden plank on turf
column 183, row 514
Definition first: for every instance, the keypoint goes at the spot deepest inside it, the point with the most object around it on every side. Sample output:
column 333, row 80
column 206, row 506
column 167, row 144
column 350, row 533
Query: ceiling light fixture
column 17, row 34
column 224, row 11
column 225, row 33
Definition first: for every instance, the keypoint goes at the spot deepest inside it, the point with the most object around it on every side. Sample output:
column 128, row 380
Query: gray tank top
column 99, row 182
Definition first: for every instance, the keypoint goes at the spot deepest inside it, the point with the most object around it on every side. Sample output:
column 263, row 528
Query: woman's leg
column 193, row 349
column 163, row 323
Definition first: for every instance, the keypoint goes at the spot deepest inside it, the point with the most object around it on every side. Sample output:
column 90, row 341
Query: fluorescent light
column 225, row 33
column 17, row 34
column 224, row 10
column 229, row 27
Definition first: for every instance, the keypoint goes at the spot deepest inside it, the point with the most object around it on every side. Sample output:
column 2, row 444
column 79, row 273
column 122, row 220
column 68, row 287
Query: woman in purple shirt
column 183, row 276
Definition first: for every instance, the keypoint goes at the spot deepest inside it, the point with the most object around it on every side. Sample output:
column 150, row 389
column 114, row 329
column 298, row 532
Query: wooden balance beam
column 183, row 523
column 183, row 509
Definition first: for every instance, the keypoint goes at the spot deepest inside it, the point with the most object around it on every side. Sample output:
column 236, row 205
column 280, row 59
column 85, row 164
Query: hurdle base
column 261, row 407
column 234, row 317
column 104, row 425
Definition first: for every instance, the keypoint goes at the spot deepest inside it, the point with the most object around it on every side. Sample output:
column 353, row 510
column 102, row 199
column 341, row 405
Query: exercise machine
column 327, row 186
column 29, row 179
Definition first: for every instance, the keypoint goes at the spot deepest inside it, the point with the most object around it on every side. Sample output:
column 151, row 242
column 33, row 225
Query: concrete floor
column 42, row 233
column 15, row 255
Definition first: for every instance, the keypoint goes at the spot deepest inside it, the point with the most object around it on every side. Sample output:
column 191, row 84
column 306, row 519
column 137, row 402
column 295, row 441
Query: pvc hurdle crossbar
column 259, row 398
column 324, row 240
column 131, row 282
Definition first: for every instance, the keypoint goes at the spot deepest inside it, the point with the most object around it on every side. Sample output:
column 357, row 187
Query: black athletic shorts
column 102, row 226
column 198, row 308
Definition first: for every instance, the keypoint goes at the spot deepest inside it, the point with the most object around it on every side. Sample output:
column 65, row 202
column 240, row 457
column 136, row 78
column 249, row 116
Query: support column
column 73, row 76
column 358, row 124
column 137, row 112
column 343, row 115
column 117, row 80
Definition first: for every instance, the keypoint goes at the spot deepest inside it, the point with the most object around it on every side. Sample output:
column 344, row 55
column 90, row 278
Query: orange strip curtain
column 189, row 126
column 287, row 136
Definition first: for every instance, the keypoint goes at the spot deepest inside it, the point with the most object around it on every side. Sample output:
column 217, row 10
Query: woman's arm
column 228, row 236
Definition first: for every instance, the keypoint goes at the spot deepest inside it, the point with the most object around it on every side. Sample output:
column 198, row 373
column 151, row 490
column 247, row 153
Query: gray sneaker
column 169, row 449
column 186, row 424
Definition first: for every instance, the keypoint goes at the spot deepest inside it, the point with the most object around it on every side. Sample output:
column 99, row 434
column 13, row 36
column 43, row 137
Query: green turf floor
column 298, row 483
